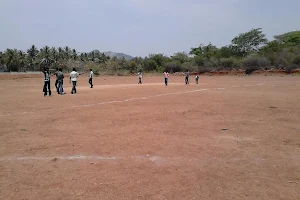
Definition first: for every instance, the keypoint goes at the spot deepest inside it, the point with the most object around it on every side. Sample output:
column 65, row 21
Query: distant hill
column 118, row 55
column 112, row 54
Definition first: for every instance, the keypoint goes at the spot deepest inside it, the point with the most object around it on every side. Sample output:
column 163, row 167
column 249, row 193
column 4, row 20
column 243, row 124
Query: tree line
column 248, row 51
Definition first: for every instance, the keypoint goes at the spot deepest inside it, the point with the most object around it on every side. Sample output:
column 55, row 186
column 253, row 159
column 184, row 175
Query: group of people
column 187, row 78
column 74, row 75
column 60, row 81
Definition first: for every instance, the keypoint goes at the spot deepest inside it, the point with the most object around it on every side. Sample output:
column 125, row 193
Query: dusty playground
column 229, row 137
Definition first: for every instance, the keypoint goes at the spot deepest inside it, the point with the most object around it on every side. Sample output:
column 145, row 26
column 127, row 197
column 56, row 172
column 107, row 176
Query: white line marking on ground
column 140, row 98
column 152, row 158
column 114, row 101
column 72, row 157
column 132, row 99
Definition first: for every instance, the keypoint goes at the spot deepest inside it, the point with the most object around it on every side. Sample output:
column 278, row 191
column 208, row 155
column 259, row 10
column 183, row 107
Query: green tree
column 74, row 54
column 199, row 60
column 225, row 52
column 22, row 61
column 67, row 52
column 92, row 56
column 159, row 59
column 54, row 54
column 210, row 51
column 45, row 57
column 11, row 59
column 32, row 54
column 197, row 51
column 132, row 66
column 1, row 58
column 271, row 47
column 61, row 53
column 180, row 57
column 289, row 39
column 248, row 42
column 150, row 65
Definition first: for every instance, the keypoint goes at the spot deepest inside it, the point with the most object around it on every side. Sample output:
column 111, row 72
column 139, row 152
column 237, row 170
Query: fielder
column 187, row 74
column 140, row 75
column 166, row 74
column 197, row 79
column 91, row 78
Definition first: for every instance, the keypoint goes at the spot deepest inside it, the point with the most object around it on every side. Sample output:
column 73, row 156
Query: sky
column 140, row 27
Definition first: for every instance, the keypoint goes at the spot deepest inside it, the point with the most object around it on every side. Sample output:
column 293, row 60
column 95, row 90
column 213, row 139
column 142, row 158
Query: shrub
column 189, row 66
column 228, row 63
column 296, row 60
column 202, row 70
column 253, row 63
column 290, row 68
column 95, row 67
column 172, row 67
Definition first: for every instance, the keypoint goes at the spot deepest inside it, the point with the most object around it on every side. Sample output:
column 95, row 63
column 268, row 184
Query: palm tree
column 1, row 58
column 54, row 54
column 32, row 53
column 45, row 57
column 61, row 53
column 82, row 56
column 67, row 52
column 22, row 61
column 11, row 59
column 92, row 56
column 74, row 54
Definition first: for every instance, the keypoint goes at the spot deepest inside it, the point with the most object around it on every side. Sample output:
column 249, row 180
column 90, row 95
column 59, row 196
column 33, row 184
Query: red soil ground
column 229, row 137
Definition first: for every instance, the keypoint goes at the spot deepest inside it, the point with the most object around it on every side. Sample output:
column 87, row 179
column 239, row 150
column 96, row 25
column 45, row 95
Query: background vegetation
column 248, row 51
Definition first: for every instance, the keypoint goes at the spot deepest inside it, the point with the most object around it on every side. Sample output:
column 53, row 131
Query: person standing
column 91, row 78
column 73, row 78
column 197, row 79
column 60, row 81
column 166, row 74
column 56, row 81
column 46, row 82
column 187, row 74
column 140, row 75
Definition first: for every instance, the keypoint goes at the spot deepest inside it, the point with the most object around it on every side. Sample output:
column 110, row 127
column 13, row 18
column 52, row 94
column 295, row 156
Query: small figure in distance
column 197, row 79
column 166, row 74
column 91, row 78
column 56, row 81
column 140, row 75
column 187, row 74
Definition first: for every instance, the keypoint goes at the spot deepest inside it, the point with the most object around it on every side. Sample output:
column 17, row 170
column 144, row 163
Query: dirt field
column 226, row 138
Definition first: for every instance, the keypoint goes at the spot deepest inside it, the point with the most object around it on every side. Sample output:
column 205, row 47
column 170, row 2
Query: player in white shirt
column 140, row 75
column 73, row 77
column 91, row 78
